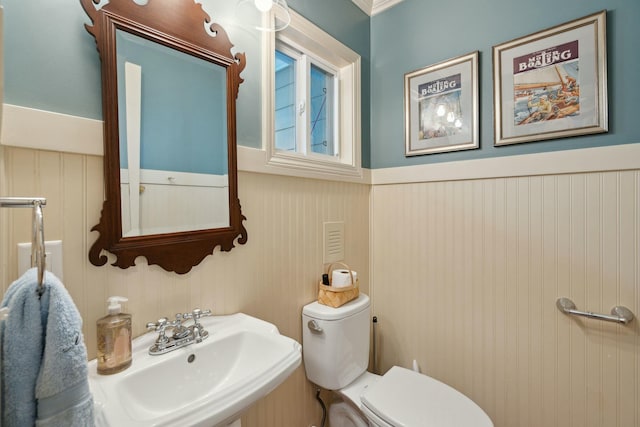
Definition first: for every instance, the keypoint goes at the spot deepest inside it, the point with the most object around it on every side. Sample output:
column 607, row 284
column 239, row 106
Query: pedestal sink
column 204, row 384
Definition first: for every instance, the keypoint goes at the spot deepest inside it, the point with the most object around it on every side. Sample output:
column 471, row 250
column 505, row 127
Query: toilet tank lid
column 324, row 312
column 407, row 398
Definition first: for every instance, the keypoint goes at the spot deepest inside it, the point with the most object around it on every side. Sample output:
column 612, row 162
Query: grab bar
column 38, row 256
column 619, row 314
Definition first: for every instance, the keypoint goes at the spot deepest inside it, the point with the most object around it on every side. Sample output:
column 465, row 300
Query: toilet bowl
column 349, row 408
column 336, row 353
column 342, row 414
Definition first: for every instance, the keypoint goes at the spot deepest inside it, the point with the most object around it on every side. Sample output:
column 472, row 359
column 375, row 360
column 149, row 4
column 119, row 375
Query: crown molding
column 380, row 5
column 365, row 5
column 373, row 7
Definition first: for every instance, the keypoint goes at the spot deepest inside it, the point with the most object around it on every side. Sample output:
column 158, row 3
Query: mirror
column 172, row 139
column 169, row 87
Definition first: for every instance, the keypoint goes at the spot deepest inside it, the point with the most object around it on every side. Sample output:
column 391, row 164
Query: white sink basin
column 243, row 359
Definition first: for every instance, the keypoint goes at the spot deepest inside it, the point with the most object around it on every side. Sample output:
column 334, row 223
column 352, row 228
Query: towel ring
column 38, row 255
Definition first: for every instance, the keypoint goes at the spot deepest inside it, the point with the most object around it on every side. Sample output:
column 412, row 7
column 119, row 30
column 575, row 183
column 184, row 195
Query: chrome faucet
column 179, row 330
column 182, row 335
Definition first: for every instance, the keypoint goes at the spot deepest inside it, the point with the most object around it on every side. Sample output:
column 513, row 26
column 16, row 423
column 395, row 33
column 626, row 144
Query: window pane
column 322, row 96
column 285, row 102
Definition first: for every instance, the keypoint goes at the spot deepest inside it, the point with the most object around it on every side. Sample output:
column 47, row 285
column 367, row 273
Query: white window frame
column 329, row 53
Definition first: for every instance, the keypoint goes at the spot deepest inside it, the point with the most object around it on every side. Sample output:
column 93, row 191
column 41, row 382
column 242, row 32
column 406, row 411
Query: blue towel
column 4, row 312
column 44, row 369
column 22, row 344
column 62, row 388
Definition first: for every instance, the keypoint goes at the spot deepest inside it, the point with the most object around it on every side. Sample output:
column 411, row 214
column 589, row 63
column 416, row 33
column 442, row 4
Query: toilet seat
column 406, row 398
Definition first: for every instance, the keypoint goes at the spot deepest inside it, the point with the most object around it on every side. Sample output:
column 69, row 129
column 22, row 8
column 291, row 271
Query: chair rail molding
column 45, row 130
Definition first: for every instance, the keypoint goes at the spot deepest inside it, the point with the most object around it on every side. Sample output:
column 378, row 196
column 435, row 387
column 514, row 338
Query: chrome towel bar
column 619, row 314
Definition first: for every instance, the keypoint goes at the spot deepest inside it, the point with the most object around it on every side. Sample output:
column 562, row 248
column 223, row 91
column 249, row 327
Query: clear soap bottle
column 114, row 339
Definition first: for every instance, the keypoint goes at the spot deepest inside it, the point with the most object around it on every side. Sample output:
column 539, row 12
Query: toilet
column 335, row 350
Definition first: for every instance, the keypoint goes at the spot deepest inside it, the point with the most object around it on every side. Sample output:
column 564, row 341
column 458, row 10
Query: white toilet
column 335, row 349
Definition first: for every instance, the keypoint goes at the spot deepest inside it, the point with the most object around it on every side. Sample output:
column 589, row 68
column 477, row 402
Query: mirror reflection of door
column 173, row 139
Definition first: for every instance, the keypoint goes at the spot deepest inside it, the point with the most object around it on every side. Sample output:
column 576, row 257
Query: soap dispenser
column 114, row 338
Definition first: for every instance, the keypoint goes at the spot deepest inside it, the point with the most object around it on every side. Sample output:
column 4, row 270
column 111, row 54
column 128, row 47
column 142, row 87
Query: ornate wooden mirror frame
column 178, row 25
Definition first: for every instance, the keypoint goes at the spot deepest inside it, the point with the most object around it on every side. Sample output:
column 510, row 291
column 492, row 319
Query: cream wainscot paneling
column 468, row 260
column 271, row 277
column 466, row 277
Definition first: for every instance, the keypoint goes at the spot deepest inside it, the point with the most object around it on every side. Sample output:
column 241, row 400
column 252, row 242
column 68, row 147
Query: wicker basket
column 335, row 297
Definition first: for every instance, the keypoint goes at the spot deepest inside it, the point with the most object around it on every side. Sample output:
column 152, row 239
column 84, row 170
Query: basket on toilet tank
column 336, row 296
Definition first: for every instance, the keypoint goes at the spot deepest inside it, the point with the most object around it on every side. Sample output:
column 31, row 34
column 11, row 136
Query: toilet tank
column 335, row 342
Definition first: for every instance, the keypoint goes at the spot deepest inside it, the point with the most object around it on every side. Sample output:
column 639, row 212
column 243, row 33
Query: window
column 323, row 123
column 312, row 101
column 305, row 103
column 286, row 123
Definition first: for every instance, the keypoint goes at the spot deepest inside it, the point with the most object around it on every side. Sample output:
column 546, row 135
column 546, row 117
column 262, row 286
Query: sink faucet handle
column 198, row 331
column 160, row 325
column 197, row 313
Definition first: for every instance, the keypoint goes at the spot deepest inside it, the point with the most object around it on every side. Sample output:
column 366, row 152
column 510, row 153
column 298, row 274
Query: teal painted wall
column 51, row 62
column 418, row 33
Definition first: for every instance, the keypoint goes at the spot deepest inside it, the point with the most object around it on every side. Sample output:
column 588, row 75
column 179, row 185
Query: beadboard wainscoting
column 465, row 259
column 466, row 277
column 271, row 277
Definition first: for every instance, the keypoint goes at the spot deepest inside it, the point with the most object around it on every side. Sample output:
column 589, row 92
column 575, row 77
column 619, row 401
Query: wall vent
column 333, row 242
